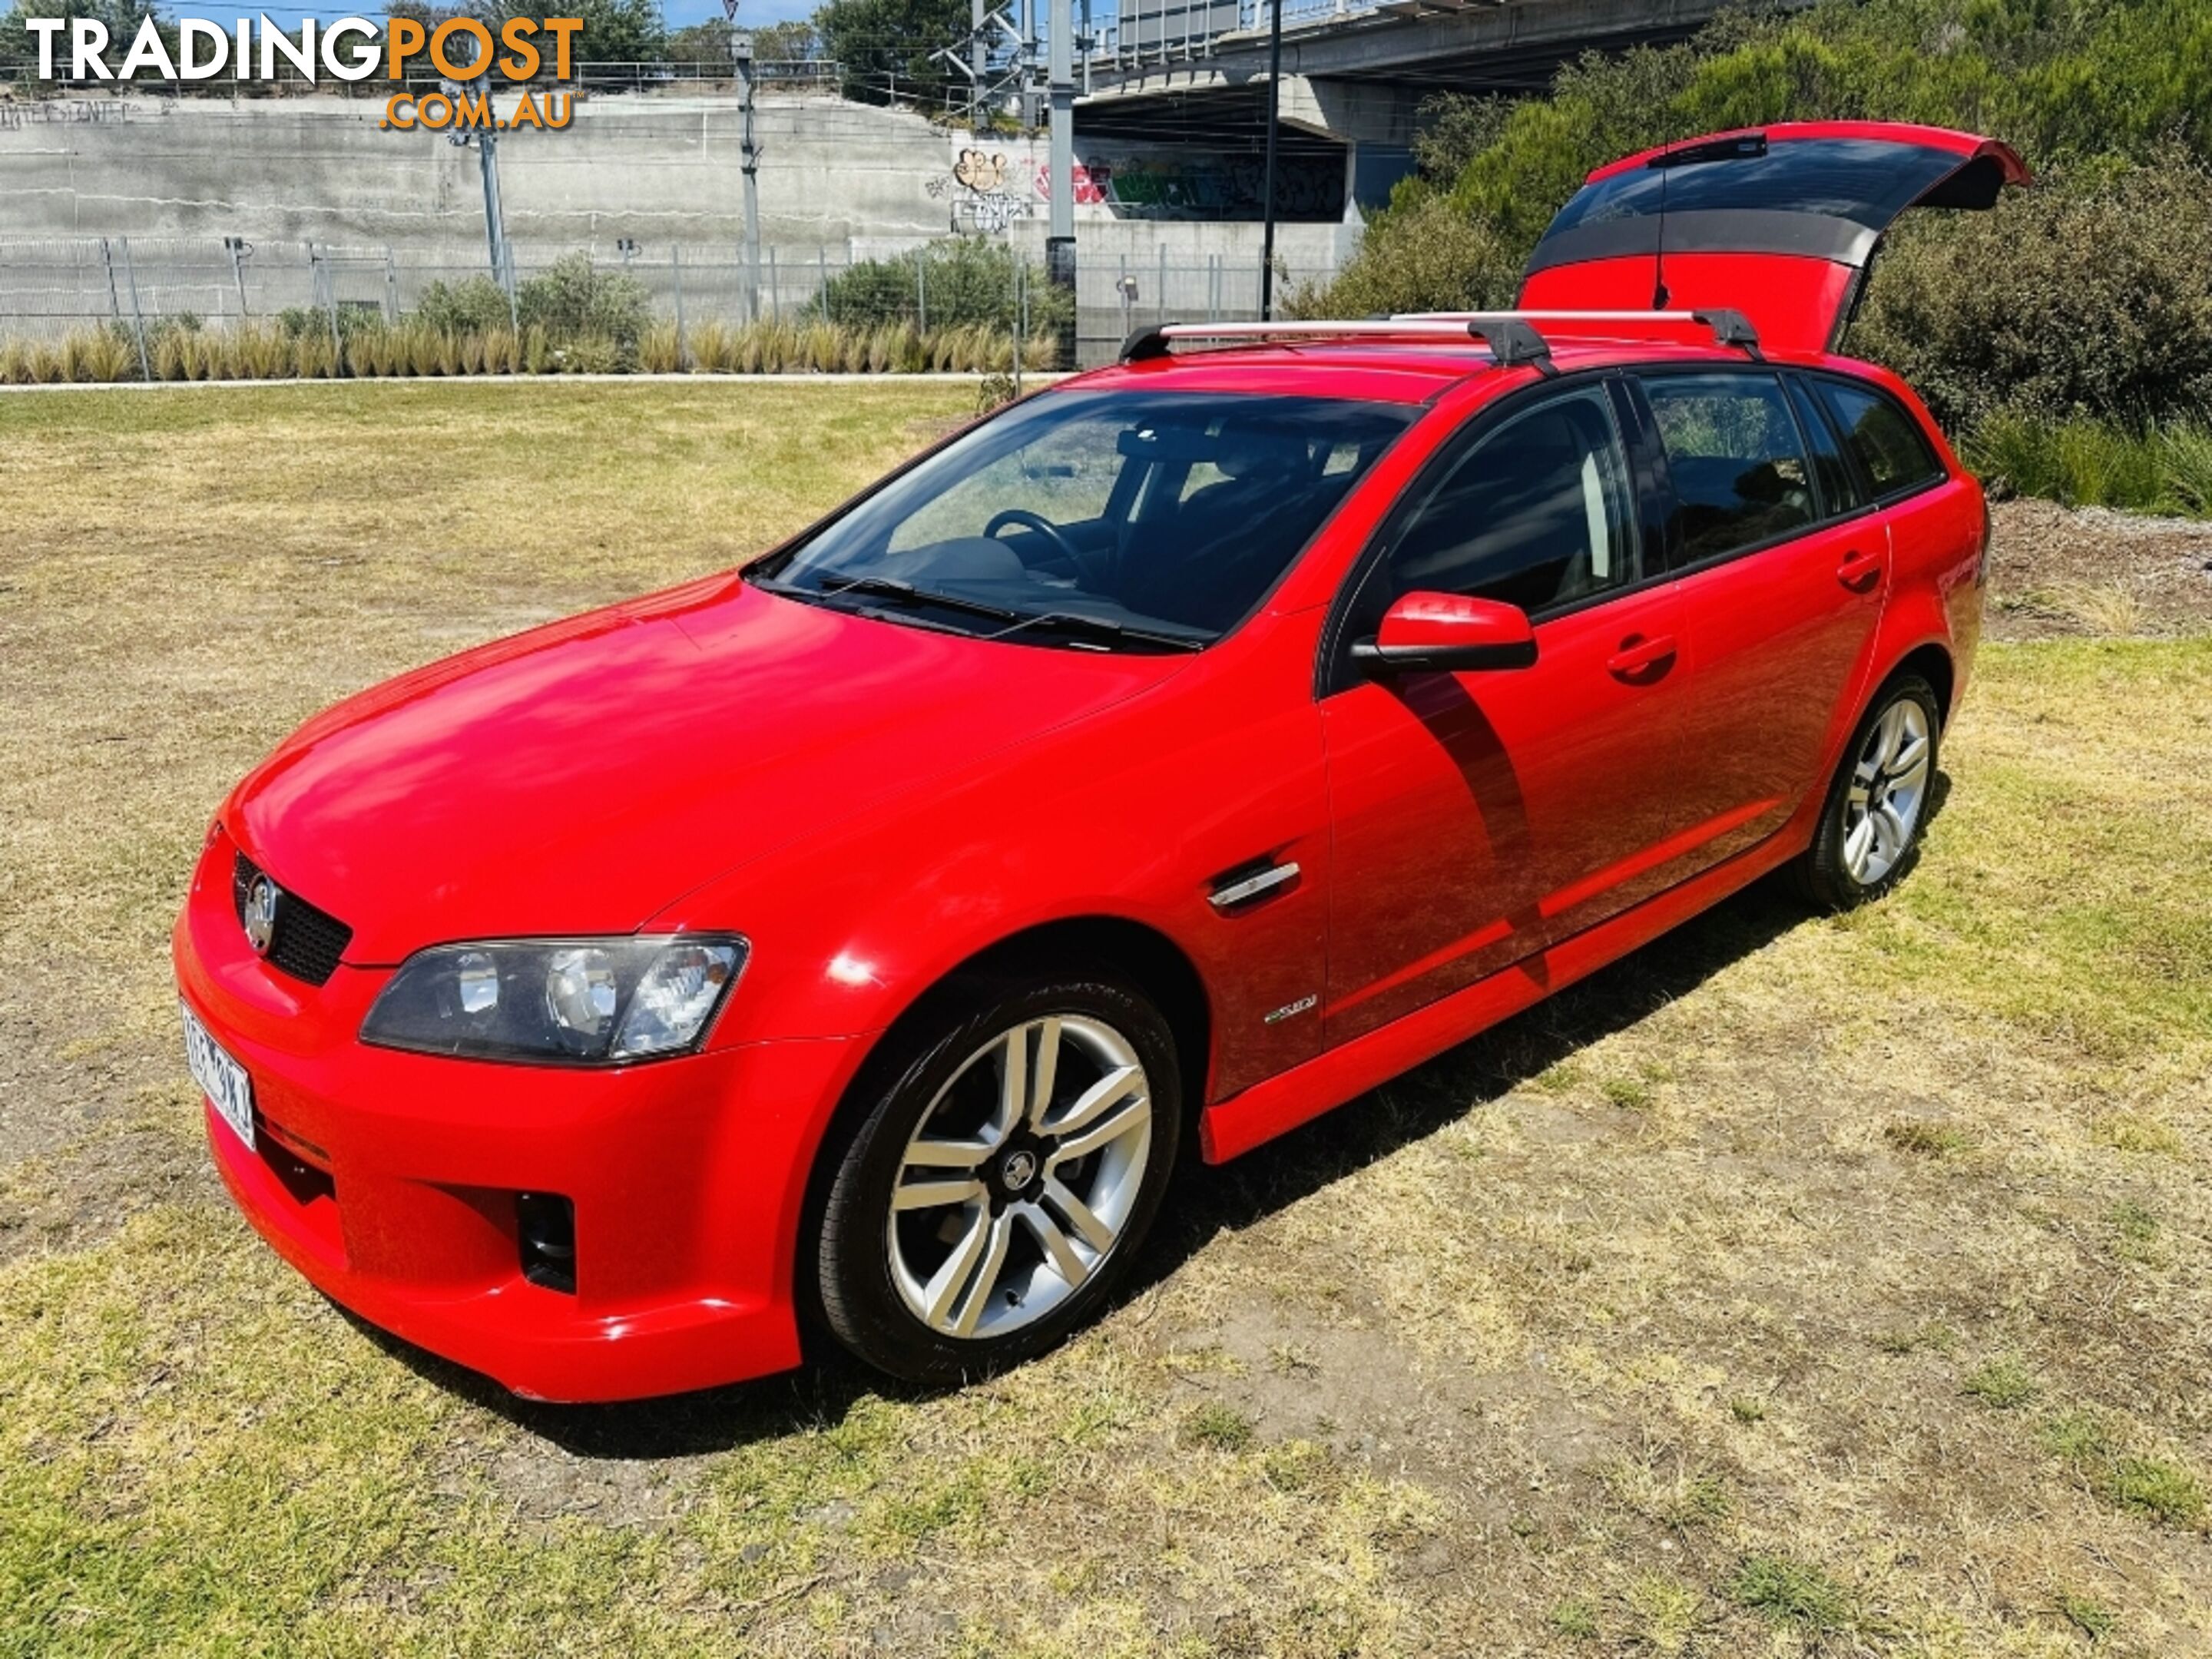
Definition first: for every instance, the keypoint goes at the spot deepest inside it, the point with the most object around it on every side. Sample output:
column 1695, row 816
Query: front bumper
column 391, row 1180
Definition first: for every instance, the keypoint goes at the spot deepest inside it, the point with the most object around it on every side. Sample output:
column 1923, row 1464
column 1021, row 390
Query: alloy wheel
column 1888, row 789
column 1020, row 1178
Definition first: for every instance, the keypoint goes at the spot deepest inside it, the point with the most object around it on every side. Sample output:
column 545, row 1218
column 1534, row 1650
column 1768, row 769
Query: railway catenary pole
column 1059, row 230
column 1268, row 190
column 741, row 57
column 978, row 61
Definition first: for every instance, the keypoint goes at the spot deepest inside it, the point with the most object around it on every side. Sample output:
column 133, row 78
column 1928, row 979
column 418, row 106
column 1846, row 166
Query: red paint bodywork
column 871, row 805
column 1797, row 301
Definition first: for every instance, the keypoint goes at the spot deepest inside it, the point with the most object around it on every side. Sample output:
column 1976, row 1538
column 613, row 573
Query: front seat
column 1193, row 573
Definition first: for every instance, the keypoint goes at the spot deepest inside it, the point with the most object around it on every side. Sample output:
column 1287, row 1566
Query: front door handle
column 1246, row 884
column 1859, row 571
column 1641, row 661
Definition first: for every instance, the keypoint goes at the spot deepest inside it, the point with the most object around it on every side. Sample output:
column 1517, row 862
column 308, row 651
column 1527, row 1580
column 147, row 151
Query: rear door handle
column 1859, row 571
column 1640, row 659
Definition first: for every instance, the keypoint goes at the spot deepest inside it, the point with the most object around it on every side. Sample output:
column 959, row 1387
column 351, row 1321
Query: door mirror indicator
column 1447, row 632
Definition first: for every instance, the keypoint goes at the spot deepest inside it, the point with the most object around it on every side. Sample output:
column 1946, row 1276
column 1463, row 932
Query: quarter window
column 1888, row 442
column 1839, row 486
column 1734, row 457
column 1536, row 515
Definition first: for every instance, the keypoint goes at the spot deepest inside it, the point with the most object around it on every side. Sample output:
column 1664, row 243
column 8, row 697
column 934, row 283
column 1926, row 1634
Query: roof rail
column 1511, row 340
column 1512, row 335
column 1729, row 327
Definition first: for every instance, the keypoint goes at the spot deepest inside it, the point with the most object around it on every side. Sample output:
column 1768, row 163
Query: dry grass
column 415, row 349
column 1797, row 1286
column 2108, row 608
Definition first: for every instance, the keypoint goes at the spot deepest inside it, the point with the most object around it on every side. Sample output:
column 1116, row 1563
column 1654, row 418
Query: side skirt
column 1236, row 1125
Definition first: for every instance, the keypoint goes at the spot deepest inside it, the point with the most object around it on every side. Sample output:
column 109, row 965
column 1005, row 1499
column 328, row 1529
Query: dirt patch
column 2057, row 571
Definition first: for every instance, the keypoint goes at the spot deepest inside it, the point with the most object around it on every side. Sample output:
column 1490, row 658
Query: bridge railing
column 1163, row 33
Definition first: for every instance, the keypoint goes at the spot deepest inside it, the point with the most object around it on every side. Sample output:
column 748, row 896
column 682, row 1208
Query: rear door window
column 1887, row 441
column 1735, row 460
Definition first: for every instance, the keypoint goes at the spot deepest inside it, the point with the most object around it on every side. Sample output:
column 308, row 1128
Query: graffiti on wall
column 1224, row 186
column 63, row 111
column 981, row 198
column 988, row 192
column 1091, row 181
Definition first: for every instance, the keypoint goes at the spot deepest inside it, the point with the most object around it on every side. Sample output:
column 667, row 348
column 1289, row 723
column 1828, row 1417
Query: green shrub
column 306, row 322
column 2185, row 451
column 474, row 305
column 2085, row 462
column 956, row 283
column 574, row 300
column 2089, row 294
column 2014, row 454
column 1426, row 254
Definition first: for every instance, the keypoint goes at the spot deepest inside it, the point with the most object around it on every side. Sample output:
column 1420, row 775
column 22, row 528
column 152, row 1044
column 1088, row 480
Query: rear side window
column 1887, row 441
column 1537, row 515
column 1733, row 457
column 1839, row 486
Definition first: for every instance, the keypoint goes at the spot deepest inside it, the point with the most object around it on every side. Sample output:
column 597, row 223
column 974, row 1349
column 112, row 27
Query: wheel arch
column 1931, row 660
column 1152, row 962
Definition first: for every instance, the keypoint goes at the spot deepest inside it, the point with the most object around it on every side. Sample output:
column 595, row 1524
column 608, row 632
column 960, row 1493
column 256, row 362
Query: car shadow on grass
column 1205, row 1201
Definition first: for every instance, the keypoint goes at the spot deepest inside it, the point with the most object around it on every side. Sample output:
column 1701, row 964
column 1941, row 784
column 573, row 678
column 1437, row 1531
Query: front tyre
column 996, row 1193
column 1870, row 831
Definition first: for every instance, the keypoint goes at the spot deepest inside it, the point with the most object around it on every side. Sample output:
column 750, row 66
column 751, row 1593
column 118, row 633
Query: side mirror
column 1448, row 633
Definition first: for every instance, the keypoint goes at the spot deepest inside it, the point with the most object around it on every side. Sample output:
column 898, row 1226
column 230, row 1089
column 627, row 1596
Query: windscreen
column 1105, row 519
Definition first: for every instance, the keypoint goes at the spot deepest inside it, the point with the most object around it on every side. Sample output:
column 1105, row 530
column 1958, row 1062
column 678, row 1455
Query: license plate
column 222, row 1078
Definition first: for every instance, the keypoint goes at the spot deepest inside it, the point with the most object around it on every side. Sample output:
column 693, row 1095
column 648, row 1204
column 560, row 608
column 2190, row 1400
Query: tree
column 792, row 42
column 773, row 43
column 613, row 32
column 883, row 44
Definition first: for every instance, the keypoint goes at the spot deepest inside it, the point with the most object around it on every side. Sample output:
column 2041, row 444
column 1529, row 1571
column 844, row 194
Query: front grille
column 308, row 942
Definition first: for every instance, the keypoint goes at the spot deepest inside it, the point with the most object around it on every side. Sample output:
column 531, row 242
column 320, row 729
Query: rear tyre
column 997, row 1190
column 1869, row 830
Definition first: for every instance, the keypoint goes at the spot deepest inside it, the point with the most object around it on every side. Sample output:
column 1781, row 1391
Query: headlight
column 578, row 1001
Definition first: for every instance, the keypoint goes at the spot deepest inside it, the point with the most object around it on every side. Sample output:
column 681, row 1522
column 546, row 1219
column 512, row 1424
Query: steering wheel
column 1090, row 574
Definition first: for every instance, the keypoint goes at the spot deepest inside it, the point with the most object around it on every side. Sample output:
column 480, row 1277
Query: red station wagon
column 858, row 944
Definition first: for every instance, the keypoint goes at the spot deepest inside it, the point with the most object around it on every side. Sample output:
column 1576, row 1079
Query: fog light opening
column 545, row 1226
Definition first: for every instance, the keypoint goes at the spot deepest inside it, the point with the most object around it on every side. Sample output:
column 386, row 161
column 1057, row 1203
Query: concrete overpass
column 1353, row 80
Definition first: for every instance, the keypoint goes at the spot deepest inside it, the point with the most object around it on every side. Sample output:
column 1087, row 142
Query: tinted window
column 1536, row 515
column 1733, row 457
column 1883, row 436
column 1839, row 487
column 1868, row 180
column 1168, row 511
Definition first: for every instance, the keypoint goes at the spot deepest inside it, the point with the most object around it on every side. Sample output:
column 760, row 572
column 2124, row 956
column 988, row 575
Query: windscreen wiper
column 1061, row 622
column 889, row 587
column 1101, row 629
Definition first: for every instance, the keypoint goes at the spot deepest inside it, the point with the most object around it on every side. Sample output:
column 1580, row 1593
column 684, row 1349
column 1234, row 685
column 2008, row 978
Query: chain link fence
column 52, row 288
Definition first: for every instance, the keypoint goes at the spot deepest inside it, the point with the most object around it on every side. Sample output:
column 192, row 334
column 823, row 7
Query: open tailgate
column 1778, row 223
